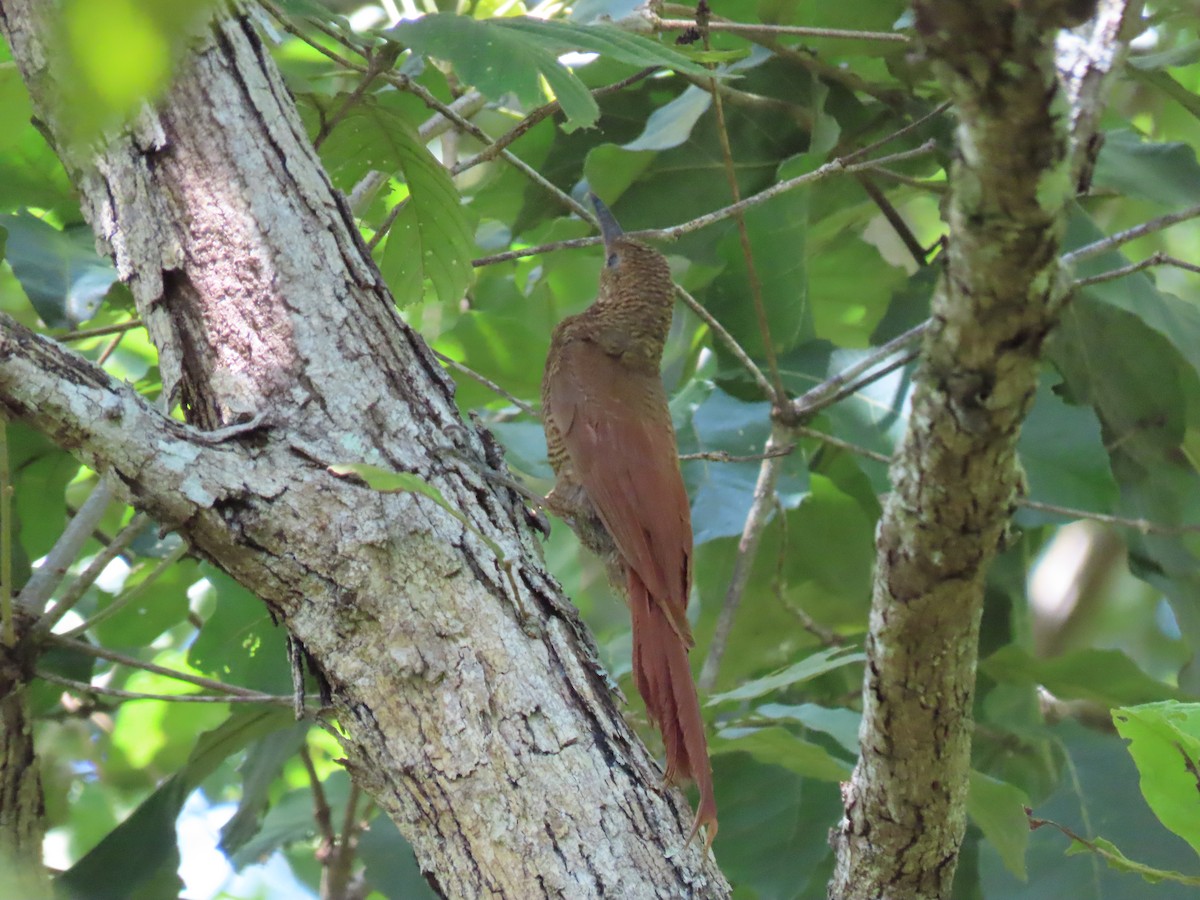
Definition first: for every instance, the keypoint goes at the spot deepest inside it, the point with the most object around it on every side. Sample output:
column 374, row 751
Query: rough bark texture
column 956, row 474
column 499, row 754
column 22, row 807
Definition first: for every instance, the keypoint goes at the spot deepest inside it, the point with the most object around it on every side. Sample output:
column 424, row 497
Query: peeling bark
column 491, row 740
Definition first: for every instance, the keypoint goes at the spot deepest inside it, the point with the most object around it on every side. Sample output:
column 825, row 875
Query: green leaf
column 1164, row 741
column 671, row 125
column 1107, row 677
column 1163, row 173
column 778, row 746
column 59, row 271
column 850, row 287
column 998, row 808
column 808, row 668
column 431, row 237
column 774, row 824
column 840, row 724
column 263, row 763
column 1175, row 319
column 1062, row 452
column 150, row 602
column 499, row 60
column 389, row 482
column 291, row 819
column 722, row 492
column 1118, row 861
column 831, row 551
column 389, row 864
column 238, row 641
column 41, row 472
column 607, row 40
column 776, row 231
column 143, row 849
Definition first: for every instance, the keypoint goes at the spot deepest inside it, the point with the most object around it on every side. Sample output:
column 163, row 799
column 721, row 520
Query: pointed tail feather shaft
column 664, row 679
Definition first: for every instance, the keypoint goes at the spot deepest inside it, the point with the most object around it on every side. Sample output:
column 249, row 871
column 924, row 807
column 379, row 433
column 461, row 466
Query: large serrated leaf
column 501, row 56
column 607, row 40
column 431, row 237
column 500, row 61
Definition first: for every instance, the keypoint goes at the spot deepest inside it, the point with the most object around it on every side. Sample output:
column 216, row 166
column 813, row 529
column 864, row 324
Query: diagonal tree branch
column 264, row 306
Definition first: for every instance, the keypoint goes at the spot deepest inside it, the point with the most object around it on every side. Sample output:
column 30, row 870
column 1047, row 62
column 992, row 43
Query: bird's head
column 631, row 269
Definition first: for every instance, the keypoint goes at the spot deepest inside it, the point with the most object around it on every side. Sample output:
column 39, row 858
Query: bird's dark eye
column 613, row 258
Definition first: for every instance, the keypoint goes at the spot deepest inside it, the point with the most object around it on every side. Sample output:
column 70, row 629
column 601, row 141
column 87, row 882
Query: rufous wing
column 616, row 428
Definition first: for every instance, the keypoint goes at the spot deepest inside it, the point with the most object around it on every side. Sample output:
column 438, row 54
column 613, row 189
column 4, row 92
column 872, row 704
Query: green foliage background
column 1113, row 432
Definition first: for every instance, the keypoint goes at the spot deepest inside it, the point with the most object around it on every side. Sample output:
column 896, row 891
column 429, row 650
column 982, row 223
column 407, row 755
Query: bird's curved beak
column 608, row 224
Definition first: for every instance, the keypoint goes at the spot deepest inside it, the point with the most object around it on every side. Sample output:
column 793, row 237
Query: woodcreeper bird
column 612, row 447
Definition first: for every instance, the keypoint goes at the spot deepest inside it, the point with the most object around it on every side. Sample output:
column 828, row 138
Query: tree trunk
column 22, row 807
column 472, row 705
column 956, row 475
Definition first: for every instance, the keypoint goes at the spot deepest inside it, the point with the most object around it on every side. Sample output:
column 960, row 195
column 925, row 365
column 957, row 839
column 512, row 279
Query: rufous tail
column 664, row 679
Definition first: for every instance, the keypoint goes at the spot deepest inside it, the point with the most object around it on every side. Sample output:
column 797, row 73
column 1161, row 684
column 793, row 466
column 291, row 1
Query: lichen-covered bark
column 491, row 739
column 956, row 473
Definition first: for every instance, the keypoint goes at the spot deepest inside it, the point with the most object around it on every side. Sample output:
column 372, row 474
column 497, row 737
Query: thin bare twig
column 904, row 131
column 833, row 167
column 898, row 363
column 728, row 340
column 1117, row 860
column 102, row 331
column 747, row 100
column 84, row 687
column 340, row 862
column 134, row 663
column 1142, row 525
column 41, row 584
column 801, row 31
column 111, row 348
column 1156, row 259
column 1130, row 234
column 924, row 184
column 489, row 384
column 87, row 577
column 128, row 596
column 492, row 150
column 779, row 393
column 830, row 390
column 321, row 811
column 756, row 521
column 899, row 226
column 826, row 636
column 286, row 24
column 805, row 431
column 404, row 83
column 724, row 456
column 377, row 65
